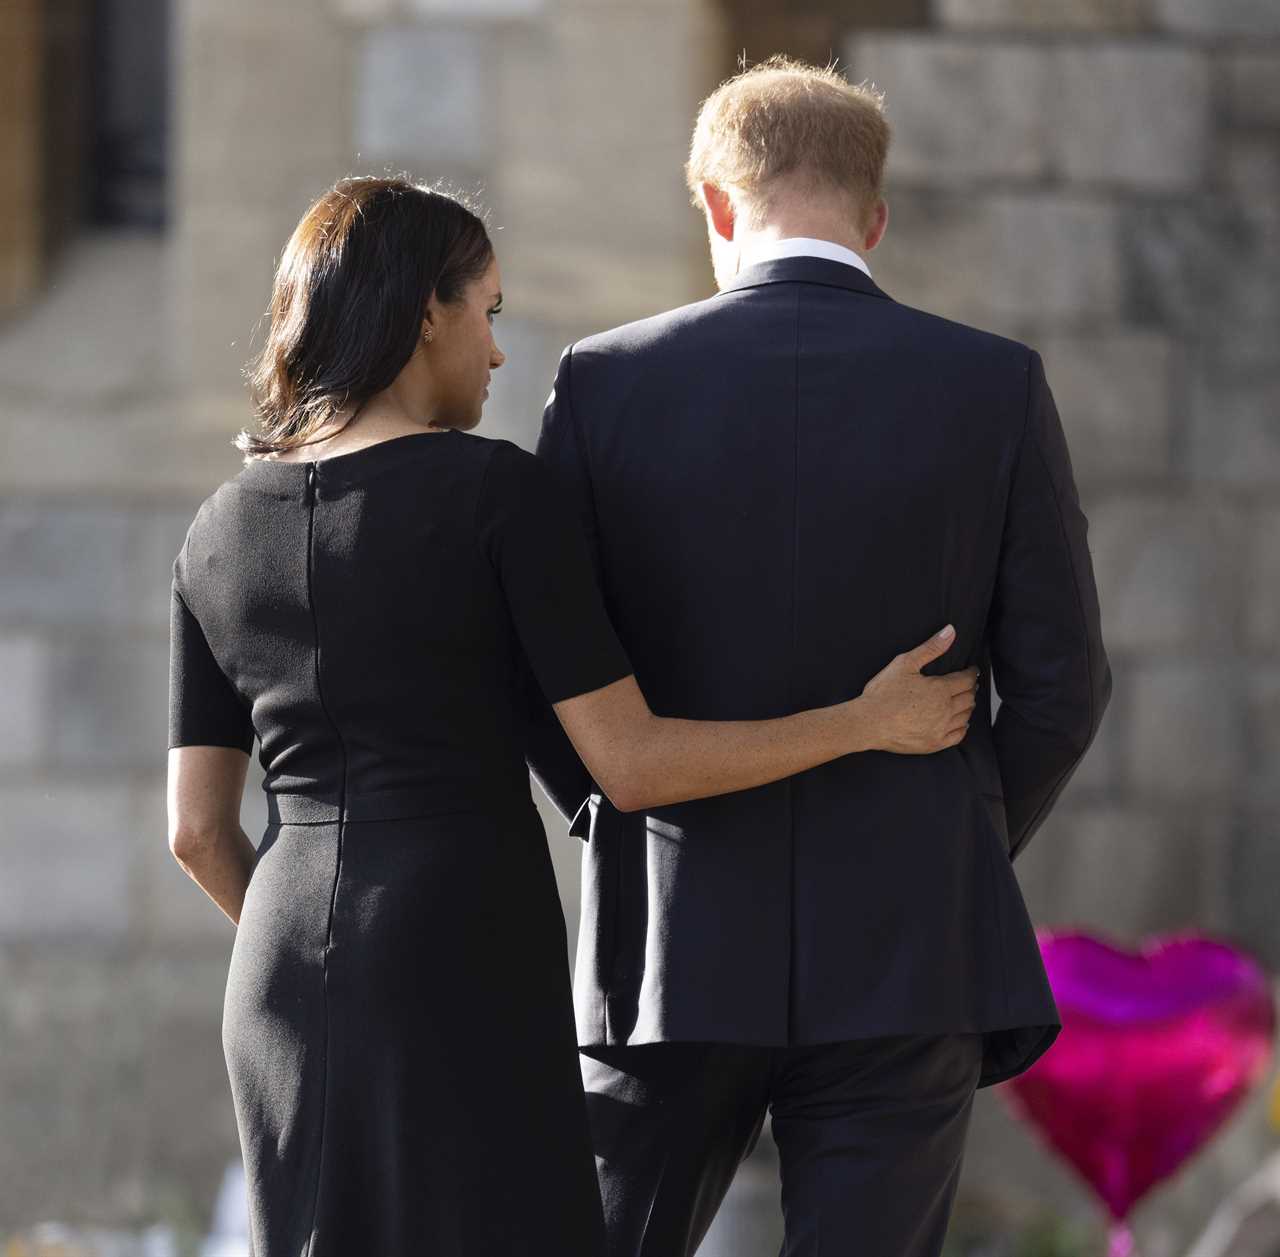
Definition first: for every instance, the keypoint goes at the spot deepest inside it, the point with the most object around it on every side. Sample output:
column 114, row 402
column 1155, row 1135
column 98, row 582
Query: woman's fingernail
column 947, row 632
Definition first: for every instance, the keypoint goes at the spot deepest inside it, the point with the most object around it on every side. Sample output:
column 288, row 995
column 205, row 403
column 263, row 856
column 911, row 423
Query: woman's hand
column 641, row 760
column 206, row 784
column 911, row 714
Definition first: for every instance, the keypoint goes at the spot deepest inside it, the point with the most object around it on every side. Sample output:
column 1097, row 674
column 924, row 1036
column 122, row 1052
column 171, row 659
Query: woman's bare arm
column 641, row 760
column 206, row 785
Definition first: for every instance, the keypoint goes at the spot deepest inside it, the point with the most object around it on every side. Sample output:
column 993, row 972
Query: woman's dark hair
column 349, row 297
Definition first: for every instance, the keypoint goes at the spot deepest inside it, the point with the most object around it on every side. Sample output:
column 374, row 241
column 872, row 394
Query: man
column 783, row 485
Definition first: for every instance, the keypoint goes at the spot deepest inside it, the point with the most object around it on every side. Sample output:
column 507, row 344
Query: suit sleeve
column 204, row 708
column 1047, row 657
column 552, row 760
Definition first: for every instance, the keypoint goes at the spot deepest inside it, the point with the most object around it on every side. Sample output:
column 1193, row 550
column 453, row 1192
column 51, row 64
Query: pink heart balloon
column 1157, row 1048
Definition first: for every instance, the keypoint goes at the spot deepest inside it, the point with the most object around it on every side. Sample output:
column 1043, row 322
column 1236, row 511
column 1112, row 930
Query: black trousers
column 870, row 1137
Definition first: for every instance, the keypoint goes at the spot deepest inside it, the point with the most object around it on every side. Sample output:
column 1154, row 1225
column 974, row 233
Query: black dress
column 397, row 1024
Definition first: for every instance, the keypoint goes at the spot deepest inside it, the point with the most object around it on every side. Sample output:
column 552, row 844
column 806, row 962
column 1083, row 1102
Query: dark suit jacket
column 784, row 486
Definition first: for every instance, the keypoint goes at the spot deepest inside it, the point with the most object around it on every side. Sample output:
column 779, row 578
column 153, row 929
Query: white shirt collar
column 801, row 246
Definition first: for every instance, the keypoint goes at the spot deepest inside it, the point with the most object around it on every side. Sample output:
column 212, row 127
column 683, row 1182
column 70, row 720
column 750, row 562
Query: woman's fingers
column 963, row 682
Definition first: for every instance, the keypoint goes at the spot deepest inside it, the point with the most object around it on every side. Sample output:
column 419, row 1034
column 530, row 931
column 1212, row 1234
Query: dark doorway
column 128, row 131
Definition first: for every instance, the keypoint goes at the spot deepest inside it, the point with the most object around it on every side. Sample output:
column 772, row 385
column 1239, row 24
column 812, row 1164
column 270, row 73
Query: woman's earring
column 428, row 335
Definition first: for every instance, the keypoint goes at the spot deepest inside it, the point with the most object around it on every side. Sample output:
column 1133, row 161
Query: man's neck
column 762, row 245
column 760, row 239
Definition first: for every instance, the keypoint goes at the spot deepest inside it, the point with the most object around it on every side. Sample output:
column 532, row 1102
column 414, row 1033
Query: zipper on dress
column 310, row 496
column 324, row 706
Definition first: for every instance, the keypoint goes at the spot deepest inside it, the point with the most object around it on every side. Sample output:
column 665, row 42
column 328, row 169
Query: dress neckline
column 337, row 458
column 292, row 476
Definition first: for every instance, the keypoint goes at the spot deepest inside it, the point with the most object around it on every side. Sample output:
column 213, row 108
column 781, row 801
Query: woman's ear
column 430, row 321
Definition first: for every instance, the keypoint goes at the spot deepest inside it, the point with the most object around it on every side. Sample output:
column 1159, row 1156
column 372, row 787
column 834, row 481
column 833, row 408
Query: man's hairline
column 754, row 203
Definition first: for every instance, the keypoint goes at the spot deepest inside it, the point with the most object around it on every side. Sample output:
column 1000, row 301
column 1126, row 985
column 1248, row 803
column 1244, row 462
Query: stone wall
column 1102, row 181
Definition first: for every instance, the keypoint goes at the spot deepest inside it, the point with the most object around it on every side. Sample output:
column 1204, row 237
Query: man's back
column 787, row 485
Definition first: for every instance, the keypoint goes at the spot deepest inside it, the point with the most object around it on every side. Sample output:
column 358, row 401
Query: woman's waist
column 302, row 805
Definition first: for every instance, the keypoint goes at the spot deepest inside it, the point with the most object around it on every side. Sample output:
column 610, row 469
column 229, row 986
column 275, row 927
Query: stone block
column 423, row 93
column 66, row 847
column 1251, row 167
column 367, row 10
column 1209, row 269
column 1124, row 871
column 25, row 714
column 1252, row 877
column 1185, row 732
column 1043, row 15
column 602, row 106
column 1097, row 776
column 1262, row 700
column 583, row 281
column 1261, row 582
column 1054, row 257
column 1235, row 429
column 1112, row 389
column 145, row 453
column 111, row 700
column 107, row 315
column 569, row 256
column 63, row 563
column 1219, row 18
column 961, row 111
column 1168, row 572
column 1000, row 258
column 1136, row 116
column 296, row 74
column 1132, row 116
column 223, row 272
column 1252, row 88
column 476, row 10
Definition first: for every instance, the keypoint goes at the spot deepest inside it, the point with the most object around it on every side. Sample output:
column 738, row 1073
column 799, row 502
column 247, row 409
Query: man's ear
column 879, row 221
column 720, row 212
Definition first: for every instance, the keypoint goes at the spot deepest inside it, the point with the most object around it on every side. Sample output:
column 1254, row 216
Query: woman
column 368, row 597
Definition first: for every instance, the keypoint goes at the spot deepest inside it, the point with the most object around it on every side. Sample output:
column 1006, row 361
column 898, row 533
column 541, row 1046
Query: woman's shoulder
column 216, row 514
column 489, row 448
column 507, row 464
column 517, row 489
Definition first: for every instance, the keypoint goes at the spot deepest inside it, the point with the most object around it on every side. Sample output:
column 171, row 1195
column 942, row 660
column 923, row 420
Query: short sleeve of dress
column 204, row 708
column 535, row 544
